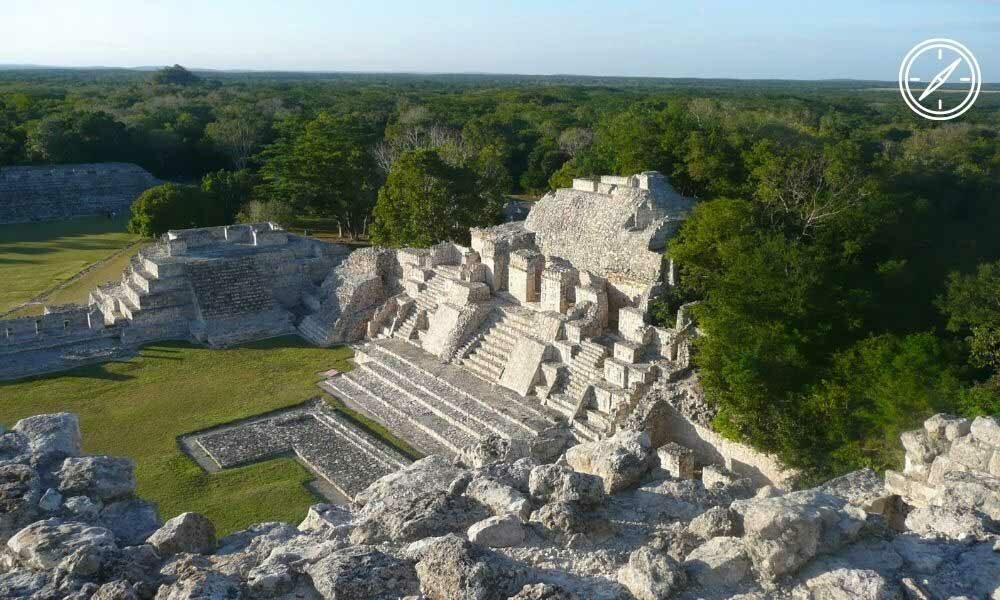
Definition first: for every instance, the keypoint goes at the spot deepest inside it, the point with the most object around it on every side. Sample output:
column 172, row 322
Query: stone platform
column 437, row 407
column 335, row 449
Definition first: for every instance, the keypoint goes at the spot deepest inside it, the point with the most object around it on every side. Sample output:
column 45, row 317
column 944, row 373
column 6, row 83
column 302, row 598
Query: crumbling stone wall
column 65, row 191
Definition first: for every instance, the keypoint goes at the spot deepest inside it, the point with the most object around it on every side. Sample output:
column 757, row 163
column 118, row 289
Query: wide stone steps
column 600, row 420
column 460, row 410
column 410, row 394
column 503, row 404
column 453, row 435
column 405, row 331
column 483, row 366
column 562, row 404
column 584, row 432
column 401, row 423
column 489, row 356
column 390, row 461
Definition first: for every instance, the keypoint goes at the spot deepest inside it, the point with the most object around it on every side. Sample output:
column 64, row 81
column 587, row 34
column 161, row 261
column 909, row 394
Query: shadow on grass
column 96, row 371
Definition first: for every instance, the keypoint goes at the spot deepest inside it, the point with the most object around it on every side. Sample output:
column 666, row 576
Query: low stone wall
column 65, row 191
column 657, row 415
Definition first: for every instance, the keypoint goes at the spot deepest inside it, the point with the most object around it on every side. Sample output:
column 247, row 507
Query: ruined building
column 56, row 192
column 539, row 325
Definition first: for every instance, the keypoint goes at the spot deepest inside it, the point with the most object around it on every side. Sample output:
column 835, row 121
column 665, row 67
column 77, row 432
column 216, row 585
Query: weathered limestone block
column 717, row 475
column 652, row 575
column 946, row 522
column 846, row 584
column 524, row 366
column 51, row 437
column 715, row 522
column 919, row 447
column 676, row 460
column 620, row 460
column 495, row 245
column 616, row 372
column 362, row 572
column 971, row 452
column 525, row 278
column 451, row 567
column 556, row 483
column 500, row 498
column 500, row 531
column 786, row 532
column 77, row 548
column 596, row 296
column 628, row 352
column 452, row 325
column 720, row 562
column 632, row 325
column 461, row 293
column 986, row 430
column 100, row 477
column 945, row 427
column 187, row 532
column 558, row 285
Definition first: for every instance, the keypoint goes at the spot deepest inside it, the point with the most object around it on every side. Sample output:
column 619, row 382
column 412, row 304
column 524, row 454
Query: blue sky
column 763, row 39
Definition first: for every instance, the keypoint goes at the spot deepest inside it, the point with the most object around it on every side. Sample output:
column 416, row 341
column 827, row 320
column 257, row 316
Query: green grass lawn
column 34, row 257
column 138, row 408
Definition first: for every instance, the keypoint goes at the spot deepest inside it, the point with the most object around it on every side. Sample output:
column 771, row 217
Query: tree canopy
column 425, row 200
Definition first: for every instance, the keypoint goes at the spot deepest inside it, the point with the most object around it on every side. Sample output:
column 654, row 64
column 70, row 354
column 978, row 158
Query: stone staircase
column 571, row 396
column 438, row 408
column 487, row 354
column 148, row 293
column 426, row 302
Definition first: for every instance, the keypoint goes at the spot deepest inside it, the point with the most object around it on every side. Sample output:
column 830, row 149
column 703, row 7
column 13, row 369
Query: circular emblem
column 939, row 79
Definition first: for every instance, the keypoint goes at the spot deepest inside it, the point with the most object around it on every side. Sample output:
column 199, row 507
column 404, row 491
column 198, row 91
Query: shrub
column 173, row 206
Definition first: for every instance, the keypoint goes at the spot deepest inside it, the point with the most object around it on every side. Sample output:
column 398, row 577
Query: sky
column 783, row 39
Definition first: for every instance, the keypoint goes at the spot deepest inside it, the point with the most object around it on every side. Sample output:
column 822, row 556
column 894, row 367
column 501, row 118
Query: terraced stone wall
column 66, row 191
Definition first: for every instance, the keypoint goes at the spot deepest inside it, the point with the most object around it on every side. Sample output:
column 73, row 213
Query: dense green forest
column 844, row 251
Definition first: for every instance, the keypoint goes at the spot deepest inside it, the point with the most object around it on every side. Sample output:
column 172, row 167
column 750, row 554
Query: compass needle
column 943, row 108
column 940, row 79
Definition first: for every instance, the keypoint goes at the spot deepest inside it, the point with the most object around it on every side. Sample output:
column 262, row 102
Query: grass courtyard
column 138, row 408
column 35, row 257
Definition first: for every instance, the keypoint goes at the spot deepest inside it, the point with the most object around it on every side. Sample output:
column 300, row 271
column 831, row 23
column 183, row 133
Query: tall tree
column 326, row 167
column 425, row 200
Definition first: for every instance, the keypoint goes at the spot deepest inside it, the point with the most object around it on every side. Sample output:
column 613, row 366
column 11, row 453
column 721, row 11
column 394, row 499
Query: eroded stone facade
column 65, row 191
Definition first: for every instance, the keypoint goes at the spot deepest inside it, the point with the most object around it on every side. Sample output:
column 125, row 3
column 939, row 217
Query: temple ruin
column 538, row 329
column 56, row 192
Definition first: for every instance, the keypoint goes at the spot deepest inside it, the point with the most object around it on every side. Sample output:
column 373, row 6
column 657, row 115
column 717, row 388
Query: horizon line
column 257, row 70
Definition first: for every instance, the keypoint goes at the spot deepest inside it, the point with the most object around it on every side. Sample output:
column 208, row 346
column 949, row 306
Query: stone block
column 897, row 483
column 628, row 352
column 524, row 278
column 524, row 366
column 413, row 287
column 563, row 351
column 713, row 475
column 547, row 326
column 676, row 460
column 616, row 372
column 465, row 292
column 641, row 374
column 274, row 237
column 558, row 286
column 608, row 397
column 986, row 430
column 945, row 427
column 176, row 248
column 632, row 324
